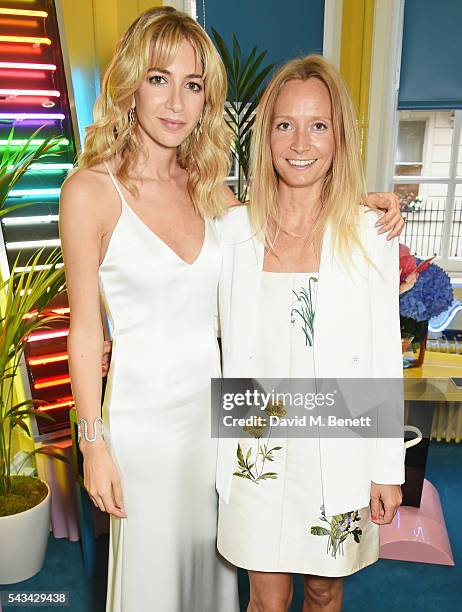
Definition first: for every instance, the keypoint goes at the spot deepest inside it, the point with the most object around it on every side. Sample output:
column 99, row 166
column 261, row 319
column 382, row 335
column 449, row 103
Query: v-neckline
column 159, row 239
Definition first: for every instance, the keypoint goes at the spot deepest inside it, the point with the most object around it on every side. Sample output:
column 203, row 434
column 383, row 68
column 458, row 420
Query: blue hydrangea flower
column 431, row 295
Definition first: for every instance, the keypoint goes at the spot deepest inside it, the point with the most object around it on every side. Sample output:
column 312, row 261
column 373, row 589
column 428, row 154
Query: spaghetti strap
column 119, row 191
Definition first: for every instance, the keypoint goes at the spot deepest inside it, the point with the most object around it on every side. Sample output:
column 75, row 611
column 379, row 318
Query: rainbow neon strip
column 31, row 55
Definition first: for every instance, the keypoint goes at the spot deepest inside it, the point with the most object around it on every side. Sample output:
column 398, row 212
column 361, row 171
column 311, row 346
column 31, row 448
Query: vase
column 24, row 539
column 414, row 346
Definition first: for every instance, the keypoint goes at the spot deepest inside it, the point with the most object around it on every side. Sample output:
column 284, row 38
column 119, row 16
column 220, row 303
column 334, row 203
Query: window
column 409, row 155
column 428, row 180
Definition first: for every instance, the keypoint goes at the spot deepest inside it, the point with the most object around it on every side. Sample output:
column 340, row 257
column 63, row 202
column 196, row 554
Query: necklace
column 291, row 234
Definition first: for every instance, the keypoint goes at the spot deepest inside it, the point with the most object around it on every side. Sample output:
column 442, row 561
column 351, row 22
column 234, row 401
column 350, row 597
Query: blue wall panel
column 286, row 29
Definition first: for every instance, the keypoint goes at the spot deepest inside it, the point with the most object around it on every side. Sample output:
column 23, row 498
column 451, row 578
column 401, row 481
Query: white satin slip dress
column 156, row 413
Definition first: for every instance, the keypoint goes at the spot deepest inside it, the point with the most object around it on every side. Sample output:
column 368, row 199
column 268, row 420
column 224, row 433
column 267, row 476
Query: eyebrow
column 168, row 73
column 315, row 118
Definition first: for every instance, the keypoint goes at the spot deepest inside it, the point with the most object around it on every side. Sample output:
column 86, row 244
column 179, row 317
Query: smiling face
column 170, row 101
column 302, row 138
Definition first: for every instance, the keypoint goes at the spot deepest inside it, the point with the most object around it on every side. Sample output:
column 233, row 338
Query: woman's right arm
column 81, row 224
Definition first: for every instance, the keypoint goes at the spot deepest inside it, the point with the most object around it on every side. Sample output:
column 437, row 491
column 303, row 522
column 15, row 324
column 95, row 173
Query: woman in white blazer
column 308, row 289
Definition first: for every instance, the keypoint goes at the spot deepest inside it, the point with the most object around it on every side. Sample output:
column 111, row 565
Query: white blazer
column 358, row 312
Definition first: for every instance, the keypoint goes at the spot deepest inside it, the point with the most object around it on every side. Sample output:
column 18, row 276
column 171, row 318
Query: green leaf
column 236, row 57
column 50, row 451
column 319, row 531
column 242, row 475
column 271, row 475
column 247, row 69
column 17, row 421
column 240, row 455
column 23, row 405
column 251, row 93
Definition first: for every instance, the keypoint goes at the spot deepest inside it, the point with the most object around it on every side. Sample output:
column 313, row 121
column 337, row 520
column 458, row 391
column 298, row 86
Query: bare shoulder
column 85, row 180
column 89, row 191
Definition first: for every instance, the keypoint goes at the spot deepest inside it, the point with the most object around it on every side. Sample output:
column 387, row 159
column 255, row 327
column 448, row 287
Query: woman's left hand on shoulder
column 385, row 501
column 392, row 221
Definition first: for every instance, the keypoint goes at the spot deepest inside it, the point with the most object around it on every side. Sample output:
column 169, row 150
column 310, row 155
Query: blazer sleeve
column 387, row 466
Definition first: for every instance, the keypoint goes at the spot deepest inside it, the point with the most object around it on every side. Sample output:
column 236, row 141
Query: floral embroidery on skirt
column 341, row 527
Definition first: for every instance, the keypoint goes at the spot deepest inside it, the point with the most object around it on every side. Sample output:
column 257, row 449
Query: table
column 418, row 532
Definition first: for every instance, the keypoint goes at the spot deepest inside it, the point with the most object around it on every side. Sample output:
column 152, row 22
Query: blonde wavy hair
column 344, row 185
column 156, row 37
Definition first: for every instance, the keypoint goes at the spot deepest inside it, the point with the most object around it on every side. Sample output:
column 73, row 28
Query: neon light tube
column 35, row 142
column 19, row 49
column 23, row 12
column 33, row 168
column 48, row 336
column 35, row 40
column 34, row 313
column 50, row 359
column 21, row 193
column 37, row 268
column 30, row 92
column 7, row 22
column 30, row 220
column 27, row 66
column 52, row 382
column 61, row 310
column 49, row 167
column 60, row 405
column 32, row 244
column 23, row 116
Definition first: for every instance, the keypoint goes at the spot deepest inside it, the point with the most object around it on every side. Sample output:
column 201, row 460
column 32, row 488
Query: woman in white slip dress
column 305, row 288
column 157, row 420
column 136, row 233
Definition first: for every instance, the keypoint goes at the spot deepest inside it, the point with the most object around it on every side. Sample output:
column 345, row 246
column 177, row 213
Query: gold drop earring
column 132, row 117
column 198, row 128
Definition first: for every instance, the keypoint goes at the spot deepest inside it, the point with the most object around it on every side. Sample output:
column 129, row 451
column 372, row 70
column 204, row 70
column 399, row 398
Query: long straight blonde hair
column 344, row 185
column 156, row 36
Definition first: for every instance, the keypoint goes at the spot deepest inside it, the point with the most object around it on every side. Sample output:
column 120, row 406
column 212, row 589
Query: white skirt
column 275, row 521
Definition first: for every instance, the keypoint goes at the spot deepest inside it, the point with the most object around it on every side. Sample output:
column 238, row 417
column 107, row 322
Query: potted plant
column 24, row 500
column 426, row 295
column 246, row 78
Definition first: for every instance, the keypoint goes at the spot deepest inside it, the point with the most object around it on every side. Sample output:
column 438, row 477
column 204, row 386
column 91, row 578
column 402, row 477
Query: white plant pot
column 23, row 542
